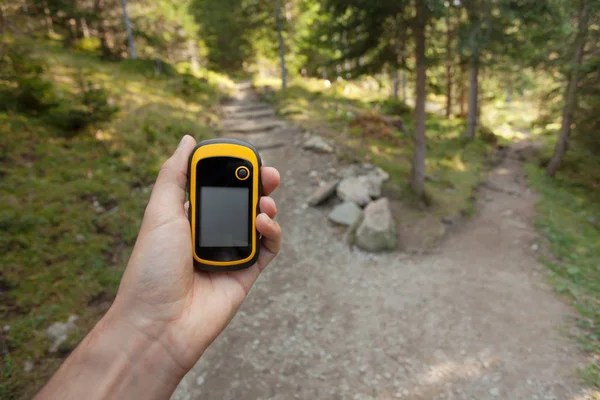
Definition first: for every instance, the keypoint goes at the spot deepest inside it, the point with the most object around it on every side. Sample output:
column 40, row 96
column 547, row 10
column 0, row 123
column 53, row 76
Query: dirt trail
column 474, row 320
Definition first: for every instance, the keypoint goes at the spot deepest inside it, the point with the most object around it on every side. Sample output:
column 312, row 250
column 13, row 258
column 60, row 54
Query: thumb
column 168, row 194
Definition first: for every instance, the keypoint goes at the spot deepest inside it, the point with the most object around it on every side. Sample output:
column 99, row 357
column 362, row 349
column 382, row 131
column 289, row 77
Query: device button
column 242, row 173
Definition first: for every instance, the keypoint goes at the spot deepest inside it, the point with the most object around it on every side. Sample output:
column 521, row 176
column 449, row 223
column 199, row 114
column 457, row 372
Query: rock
column 361, row 189
column 373, row 183
column 355, row 190
column 323, row 193
column 200, row 380
column 28, row 366
column 367, row 166
column 431, row 178
column 377, row 230
column 448, row 219
column 495, row 392
column 363, row 169
column 58, row 332
column 318, row 144
column 382, row 174
column 346, row 213
column 313, row 174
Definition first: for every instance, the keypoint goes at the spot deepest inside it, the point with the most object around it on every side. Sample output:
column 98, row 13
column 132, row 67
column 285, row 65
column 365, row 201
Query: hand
column 161, row 295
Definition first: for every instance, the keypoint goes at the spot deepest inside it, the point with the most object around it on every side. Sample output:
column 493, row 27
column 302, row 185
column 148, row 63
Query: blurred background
column 96, row 94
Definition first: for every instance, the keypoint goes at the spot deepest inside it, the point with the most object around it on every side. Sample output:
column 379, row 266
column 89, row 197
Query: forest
column 95, row 95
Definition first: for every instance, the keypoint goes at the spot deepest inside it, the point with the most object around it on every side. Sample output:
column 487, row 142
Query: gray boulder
column 317, row 144
column 377, row 231
column 361, row 189
column 346, row 213
column 356, row 190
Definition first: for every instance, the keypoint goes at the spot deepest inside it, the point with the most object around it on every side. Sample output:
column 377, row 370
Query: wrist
column 144, row 358
column 115, row 361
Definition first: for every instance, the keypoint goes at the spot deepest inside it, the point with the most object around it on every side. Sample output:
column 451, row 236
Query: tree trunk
column 473, row 81
column 397, row 60
column 449, row 63
column 571, row 93
column 48, row 18
column 281, row 46
column 2, row 30
column 194, row 63
column 418, row 165
column 403, row 62
column 105, row 38
column 130, row 43
column 84, row 27
column 462, row 101
column 404, row 86
column 396, row 83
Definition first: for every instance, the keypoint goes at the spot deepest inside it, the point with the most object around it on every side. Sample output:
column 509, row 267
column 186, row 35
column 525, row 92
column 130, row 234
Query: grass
column 70, row 208
column 343, row 112
column 568, row 217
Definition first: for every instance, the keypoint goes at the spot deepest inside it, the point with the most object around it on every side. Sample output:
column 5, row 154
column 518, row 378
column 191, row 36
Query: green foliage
column 26, row 89
column 148, row 67
column 394, row 107
column 90, row 106
column 88, row 45
column 487, row 135
column 225, row 27
column 567, row 217
column 74, row 205
column 188, row 86
column 23, row 87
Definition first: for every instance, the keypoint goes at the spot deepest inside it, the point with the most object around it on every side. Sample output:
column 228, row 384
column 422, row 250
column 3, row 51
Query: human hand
column 161, row 295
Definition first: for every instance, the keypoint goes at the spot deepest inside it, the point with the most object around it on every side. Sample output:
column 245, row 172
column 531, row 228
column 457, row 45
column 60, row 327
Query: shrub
column 148, row 68
column 89, row 45
column 23, row 87
column 187, row 86
column 394, row 107
column 92, row 105
column 487, row 135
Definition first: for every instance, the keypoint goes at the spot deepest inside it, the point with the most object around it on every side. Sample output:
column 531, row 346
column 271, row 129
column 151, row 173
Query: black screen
column 224, row 215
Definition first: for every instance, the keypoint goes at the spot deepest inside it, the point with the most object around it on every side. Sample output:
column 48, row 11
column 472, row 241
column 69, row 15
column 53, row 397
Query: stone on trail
column 346, row 213
column 58, row 332
column 377, row 231
column 355, row 190
column 318, row 144
column 363, row 169
column 361, row 189
column 323, row 193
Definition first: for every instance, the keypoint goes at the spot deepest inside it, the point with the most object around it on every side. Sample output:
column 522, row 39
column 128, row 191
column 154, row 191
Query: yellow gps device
column 224, row 189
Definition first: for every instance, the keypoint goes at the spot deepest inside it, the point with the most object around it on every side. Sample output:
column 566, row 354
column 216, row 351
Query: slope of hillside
column 71, row 201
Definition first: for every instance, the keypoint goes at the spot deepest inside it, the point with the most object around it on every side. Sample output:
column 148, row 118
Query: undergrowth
column 72, row 196
column 568, row 217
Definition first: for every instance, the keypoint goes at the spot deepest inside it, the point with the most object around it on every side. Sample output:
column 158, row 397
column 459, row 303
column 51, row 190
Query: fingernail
column 181, row 142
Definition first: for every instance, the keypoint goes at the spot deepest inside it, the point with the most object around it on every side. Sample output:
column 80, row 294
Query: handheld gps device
column 224, row 189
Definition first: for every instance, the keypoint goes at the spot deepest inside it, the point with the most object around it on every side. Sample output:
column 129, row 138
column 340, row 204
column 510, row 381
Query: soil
column 475, row 319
